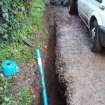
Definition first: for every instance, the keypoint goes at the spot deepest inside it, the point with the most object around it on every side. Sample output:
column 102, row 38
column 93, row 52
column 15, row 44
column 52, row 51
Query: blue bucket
column 9, row 68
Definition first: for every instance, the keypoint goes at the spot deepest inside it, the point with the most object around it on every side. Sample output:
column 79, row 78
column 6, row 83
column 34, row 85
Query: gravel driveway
column 82, row 70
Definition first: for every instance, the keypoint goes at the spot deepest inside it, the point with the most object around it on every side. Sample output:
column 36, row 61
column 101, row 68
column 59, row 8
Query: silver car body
column 88, row 9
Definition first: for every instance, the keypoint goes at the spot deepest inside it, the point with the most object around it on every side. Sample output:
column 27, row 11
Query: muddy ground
column 82, row 71
column 55, row 97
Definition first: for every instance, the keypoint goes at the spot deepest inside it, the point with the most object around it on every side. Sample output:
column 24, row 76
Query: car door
column 101, row 12
column 101, row 5
column 85, row 7
column 103, row 2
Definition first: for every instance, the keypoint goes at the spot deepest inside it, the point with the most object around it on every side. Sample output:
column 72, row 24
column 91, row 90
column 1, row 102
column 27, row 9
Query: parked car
column 92, row 12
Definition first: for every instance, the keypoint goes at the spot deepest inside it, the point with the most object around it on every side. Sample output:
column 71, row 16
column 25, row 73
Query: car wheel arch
column 93, row 18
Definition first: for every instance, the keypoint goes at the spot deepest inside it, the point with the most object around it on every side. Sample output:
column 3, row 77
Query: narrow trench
column 55, row 88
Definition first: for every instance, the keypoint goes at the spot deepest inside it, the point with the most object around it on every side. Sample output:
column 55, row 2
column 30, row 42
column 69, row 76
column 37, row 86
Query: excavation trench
column 55, row 87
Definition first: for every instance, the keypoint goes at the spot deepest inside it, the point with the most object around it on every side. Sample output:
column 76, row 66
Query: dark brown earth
column 53, row 85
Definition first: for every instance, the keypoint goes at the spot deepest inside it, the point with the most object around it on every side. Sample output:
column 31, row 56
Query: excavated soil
column 75, row 75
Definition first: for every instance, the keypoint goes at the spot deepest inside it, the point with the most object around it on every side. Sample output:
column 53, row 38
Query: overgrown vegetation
column 8, row 22
column 16, row 23
column 19, row 19
column 26, row 96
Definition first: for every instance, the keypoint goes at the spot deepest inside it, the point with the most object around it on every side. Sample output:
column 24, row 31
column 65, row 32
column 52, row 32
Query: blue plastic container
column 9, row 67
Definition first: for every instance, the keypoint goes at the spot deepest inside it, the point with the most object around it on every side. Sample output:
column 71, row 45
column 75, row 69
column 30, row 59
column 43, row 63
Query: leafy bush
column 15, row 24
column 8, row 21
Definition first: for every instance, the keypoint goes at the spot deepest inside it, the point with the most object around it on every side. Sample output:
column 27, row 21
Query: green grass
column 6, row 97
column 26, row 96
column 30, row 25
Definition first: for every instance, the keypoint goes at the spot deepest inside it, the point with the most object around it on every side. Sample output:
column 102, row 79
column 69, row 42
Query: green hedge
column 8, row 21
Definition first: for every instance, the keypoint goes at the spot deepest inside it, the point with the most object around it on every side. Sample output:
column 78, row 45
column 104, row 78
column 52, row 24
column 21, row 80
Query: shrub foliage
column 18, row 18
column 8, row 21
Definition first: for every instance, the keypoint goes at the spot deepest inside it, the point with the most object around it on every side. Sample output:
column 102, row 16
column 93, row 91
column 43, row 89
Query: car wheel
column 73, row 7
column 96, row 44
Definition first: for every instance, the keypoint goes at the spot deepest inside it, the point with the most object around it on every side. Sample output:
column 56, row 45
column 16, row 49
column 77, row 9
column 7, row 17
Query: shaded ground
column 82, row 70
column 55, row 97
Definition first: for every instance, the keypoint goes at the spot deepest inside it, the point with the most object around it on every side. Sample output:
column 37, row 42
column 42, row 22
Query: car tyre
column 96, row 44
column 73, row 7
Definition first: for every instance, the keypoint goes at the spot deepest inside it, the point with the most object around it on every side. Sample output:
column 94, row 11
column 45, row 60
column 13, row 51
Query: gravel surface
column 83, row 70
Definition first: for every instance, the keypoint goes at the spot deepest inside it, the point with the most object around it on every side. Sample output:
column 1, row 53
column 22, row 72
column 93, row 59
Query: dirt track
column 82, row 70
